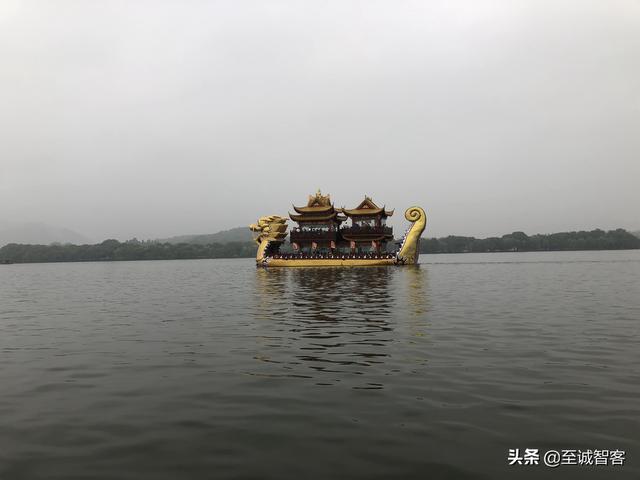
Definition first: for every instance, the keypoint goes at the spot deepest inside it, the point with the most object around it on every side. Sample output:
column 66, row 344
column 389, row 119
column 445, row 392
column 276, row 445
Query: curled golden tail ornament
column 410, row 246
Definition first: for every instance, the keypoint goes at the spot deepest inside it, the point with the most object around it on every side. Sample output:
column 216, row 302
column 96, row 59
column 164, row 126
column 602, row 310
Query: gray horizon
column 154, row 119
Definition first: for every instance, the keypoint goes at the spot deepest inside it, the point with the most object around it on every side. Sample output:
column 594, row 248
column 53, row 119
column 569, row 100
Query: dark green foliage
column 597, row 239
column 110, row 250
column 131, row 250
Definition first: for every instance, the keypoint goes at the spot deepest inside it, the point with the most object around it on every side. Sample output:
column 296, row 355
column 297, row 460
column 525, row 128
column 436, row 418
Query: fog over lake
column 152, row 118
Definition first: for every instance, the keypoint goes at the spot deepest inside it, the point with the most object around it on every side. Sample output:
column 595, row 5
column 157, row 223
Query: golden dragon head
column 270, row 228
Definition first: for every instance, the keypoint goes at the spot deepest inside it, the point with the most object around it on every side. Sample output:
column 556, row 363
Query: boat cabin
column 324, row 229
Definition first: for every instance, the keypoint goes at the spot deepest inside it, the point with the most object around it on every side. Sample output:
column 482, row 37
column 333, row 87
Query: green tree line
column 111, row 250
column 520, row 242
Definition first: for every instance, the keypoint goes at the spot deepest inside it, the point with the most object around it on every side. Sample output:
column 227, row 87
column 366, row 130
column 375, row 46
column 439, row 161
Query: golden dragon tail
column 410, row 246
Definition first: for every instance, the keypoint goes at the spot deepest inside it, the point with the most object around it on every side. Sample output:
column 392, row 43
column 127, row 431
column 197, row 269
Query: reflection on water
column 270, row 288
column 323, row 323
column 414, row 290
column 416, row 287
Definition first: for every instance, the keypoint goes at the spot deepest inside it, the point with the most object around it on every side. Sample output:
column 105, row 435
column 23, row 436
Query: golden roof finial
column 319, row 200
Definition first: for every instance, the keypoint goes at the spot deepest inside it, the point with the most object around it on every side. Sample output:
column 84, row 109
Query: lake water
column 213, row 369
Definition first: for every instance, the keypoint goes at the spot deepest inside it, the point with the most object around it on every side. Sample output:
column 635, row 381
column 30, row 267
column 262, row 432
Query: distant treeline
column 520, row 242
column 111, row 250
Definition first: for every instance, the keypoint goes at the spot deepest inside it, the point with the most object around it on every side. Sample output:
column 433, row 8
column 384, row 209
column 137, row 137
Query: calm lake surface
column 213, row 369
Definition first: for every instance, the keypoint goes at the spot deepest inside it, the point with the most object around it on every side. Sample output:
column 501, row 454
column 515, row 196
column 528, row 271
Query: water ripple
column 200, row 369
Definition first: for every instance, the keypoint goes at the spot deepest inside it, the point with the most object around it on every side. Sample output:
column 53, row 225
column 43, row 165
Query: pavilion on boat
column 322, row 228
column 368, row 229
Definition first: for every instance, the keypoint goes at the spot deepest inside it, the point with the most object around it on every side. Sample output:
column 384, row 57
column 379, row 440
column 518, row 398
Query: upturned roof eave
column 314, row 218
column 367, row 212
column 318, row 209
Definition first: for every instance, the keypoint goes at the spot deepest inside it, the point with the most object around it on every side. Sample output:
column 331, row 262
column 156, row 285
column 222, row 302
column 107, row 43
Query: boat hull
column 328, row 262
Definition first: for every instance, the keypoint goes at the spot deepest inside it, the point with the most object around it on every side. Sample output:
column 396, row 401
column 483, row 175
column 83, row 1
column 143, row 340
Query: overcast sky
column 155, row 118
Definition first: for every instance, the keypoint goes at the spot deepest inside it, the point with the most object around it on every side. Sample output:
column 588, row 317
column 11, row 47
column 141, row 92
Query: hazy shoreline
column 135, row 250
column 245, row 258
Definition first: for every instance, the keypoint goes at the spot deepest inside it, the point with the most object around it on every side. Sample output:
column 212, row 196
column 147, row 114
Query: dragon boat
column 326, row 236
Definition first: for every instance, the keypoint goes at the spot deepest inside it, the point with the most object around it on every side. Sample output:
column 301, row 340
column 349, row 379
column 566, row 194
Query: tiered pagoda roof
column 366, row 209
column 318, row 209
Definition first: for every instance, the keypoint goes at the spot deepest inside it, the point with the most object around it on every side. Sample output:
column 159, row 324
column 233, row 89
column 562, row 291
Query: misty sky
column 153, row 118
